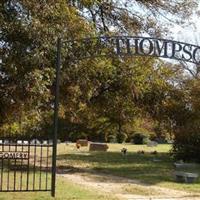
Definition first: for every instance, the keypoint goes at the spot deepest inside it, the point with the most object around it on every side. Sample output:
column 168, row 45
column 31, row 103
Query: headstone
column 180, row 165
column 6, row 141
column 35, row 141
column 83, row 143
column 186, row 177
column 26, row 142
column 50, row 141
column 152, row 144
column 45, row 141
column 67, row 142
column 98, row 147
column 19, row 141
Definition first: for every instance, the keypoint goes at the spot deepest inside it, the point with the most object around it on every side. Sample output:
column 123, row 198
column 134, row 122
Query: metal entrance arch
column 122, row 46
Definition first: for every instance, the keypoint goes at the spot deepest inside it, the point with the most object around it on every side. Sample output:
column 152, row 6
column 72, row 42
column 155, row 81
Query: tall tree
column 28, row 33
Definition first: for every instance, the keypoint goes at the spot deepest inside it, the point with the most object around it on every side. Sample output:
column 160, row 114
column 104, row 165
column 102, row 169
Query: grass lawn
column 64, row 191
column 135, row 166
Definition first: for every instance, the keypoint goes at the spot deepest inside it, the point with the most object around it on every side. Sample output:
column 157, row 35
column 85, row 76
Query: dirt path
column 126, row 189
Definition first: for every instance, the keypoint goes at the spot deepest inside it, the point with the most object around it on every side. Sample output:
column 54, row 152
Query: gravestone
column 152, row 144
column 35, row 141
column 185, row 177
column 98, row 147
column 45, row 142
column 83, row 143
column 6, row 141
column 180, row 165
column 50, row 141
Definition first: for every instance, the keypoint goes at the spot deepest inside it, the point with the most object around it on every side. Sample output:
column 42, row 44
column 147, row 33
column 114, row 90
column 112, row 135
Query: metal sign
column 131, row 46
column 14, row 155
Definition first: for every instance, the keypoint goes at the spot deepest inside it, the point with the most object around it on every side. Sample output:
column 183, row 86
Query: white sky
column 190, row 32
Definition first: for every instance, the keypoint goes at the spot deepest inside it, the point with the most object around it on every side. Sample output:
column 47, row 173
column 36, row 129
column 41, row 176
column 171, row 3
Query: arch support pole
column 55, row 124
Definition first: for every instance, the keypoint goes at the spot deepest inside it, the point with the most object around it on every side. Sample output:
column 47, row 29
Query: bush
column 111, row 138
column 139, row 138
column 77, row 135
column 121, row 137
column 161, row 140
column 152, row 136
column 146, row 140
column 186, row 144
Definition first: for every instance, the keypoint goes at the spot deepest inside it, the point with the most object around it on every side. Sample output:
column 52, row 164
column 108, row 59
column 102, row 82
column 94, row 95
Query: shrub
column 121, row 137
column 77, row 135
column 138, row 138
column 161, row 140
column 146, row 140
column 111, row 138
column 186, row 144
column 152, row 136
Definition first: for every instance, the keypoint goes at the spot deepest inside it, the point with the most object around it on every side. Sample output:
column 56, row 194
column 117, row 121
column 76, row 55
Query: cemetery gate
column 30, row 165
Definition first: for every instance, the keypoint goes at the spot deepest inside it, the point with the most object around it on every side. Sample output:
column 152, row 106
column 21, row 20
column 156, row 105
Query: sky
column 190, row 32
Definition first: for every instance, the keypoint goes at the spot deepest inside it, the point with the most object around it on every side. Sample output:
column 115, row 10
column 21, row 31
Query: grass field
column 147, row 168
column 135, row 166
column 65, row 191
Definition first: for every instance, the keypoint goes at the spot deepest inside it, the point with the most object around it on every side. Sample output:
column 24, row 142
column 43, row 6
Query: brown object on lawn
column 154, row 152
column 78, row 146
column 98, row 147
column 124, row 151
column 83, row 143
column 141, row 152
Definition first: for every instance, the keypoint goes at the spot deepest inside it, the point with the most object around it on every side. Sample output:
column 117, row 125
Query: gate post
column 55, row 124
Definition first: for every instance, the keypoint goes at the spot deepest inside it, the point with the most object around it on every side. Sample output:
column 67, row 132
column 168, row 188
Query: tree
column 28, row 34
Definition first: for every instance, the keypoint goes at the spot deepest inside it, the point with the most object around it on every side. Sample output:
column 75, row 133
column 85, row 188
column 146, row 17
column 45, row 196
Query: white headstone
column 6, row 141
column 25, row 142
column 45, row 142
column 35, row 141
column 152, row 144
column 50, row 141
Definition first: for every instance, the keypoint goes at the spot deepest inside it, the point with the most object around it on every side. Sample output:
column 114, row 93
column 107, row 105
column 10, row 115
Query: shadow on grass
column 147, row 168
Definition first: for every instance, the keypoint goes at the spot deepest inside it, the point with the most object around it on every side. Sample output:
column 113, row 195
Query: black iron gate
column 25, row 165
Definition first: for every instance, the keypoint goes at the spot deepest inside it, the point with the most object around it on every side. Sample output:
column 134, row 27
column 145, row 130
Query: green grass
column 134, row 165
column 137, row 190
column 64, row 191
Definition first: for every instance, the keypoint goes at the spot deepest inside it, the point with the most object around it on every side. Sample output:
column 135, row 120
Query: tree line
column 104, row 97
